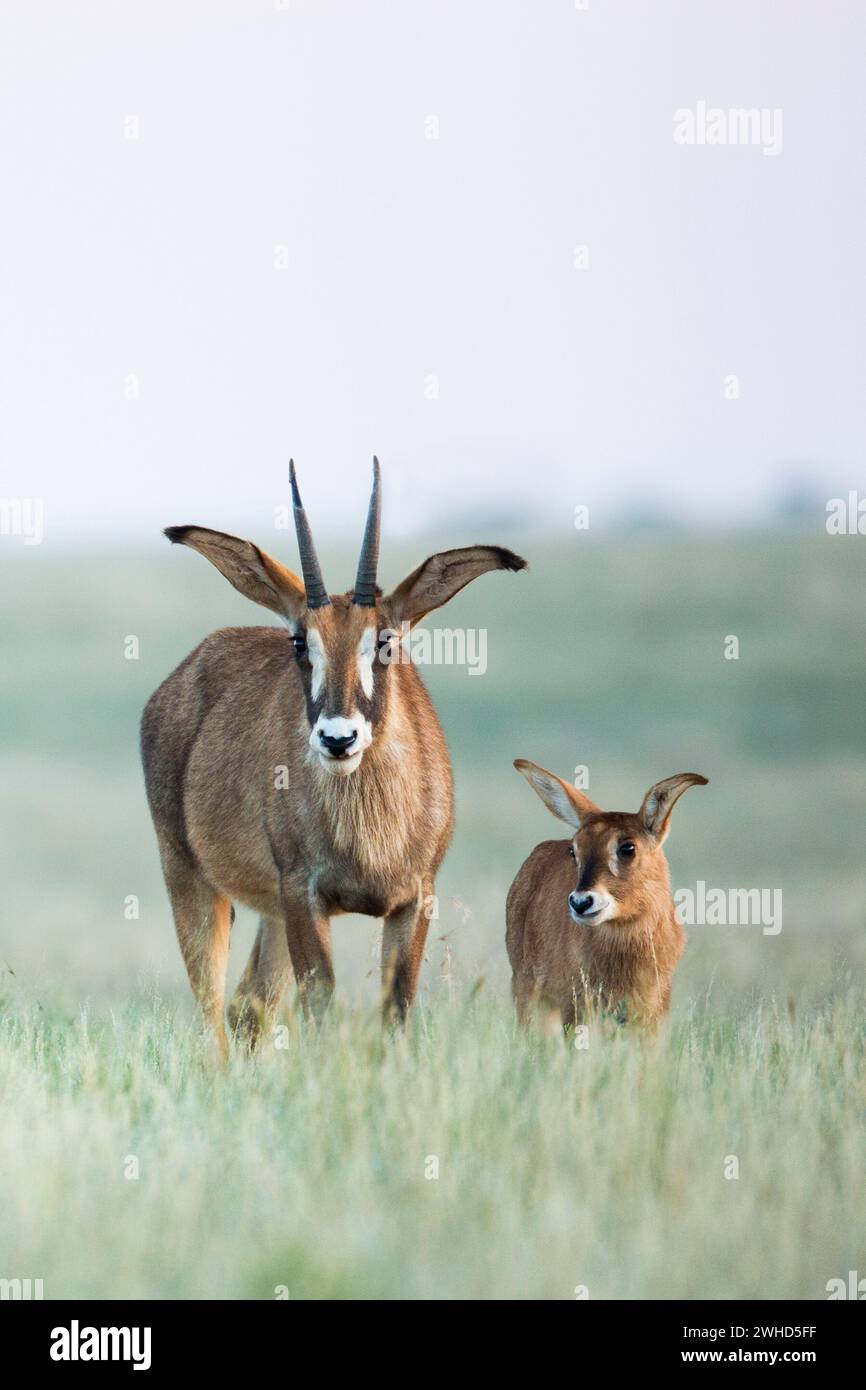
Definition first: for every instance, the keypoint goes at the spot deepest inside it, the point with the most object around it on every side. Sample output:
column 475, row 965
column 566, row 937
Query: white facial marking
column 318, row 661
column 613, row 857
column 366, row 655
column 336, row 727
column 357, row 728
column 602, row 908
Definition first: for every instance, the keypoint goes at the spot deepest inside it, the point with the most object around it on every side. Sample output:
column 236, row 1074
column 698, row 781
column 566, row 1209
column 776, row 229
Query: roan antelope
column 591, row 921
column 303, row 772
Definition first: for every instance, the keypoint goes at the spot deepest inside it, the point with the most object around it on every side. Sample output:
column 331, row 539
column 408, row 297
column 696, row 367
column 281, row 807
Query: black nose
column 580, row 902
column 337, row 745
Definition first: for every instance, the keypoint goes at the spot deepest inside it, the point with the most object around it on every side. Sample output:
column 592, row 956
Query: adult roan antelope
column 303, row 773
column 590, row 922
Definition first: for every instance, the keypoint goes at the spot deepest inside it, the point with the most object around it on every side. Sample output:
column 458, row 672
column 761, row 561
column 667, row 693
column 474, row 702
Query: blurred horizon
column 799, row 507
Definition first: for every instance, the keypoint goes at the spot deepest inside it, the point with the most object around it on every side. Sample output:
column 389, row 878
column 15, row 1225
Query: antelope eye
column 571, row 851
column 299, row 642
column 626, row 849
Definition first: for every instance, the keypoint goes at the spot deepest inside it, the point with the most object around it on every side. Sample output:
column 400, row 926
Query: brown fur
column 216, row 734
column 625, row 965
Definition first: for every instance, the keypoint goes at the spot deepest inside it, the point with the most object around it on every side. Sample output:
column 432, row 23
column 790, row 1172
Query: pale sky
column 305, row 126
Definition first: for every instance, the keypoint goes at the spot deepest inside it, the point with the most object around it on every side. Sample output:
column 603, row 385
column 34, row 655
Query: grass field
column 558, row 1167
column 312, row 1170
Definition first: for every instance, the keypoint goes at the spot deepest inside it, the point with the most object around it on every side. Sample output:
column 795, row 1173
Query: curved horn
column 365, row 582
column 317, row 594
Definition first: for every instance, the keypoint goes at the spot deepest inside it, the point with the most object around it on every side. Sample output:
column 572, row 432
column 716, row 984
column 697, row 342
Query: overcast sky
column 285, row 262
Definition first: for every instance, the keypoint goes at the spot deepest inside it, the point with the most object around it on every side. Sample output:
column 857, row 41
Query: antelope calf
column 303, row 772
column 591, row 920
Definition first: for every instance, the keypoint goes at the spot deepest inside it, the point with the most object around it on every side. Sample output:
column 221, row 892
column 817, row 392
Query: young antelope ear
column 443, row 576
column 253, row 573
column 655, row 812
column 563, row 800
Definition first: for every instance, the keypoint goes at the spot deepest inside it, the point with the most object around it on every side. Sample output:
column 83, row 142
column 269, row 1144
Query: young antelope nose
column 581, row 903
column 335, row 745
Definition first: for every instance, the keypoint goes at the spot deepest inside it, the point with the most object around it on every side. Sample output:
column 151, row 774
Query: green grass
column 557, row 1167
column 306, row 1168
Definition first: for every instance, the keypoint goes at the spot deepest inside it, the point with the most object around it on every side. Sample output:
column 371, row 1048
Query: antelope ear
column 253, row 573
column 655, row 811
column 564, row 801
column 444, row 575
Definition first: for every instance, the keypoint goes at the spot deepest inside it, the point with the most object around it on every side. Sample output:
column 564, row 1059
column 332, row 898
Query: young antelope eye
column 626, row 849
column 299, row 642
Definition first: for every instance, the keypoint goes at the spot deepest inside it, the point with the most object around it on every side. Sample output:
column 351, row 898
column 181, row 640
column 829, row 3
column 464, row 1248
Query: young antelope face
column 619, row 865
column 622, row 873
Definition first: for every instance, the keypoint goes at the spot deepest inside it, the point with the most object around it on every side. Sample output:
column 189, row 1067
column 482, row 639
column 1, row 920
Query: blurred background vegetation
column 610, row 653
